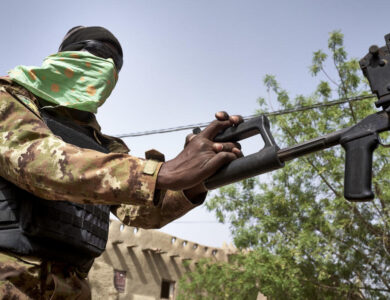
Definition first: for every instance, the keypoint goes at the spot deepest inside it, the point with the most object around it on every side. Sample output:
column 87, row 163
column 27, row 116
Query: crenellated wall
column 148, row 257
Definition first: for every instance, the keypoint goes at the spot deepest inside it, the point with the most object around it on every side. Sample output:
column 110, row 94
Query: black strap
column 72, row 133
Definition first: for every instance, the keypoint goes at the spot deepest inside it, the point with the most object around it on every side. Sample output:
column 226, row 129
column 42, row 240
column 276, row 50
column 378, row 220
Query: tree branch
column 330, row 79
column 313, row 166
column 345, row 90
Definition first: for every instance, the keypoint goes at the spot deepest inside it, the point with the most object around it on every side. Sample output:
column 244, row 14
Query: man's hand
column 200, row 158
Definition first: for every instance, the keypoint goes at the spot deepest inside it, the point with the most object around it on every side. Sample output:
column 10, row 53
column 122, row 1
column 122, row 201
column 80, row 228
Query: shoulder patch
column 29, row 103
column 150, row 166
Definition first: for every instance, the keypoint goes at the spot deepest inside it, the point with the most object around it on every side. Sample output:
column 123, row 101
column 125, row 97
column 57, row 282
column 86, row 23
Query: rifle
column 359, row 141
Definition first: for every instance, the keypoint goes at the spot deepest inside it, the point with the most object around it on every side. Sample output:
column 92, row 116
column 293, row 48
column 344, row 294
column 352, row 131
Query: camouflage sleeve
column 33, row 158
column 174, row 205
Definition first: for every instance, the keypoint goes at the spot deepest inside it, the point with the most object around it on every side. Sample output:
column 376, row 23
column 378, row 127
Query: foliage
column 306, row 241
column 217, row 276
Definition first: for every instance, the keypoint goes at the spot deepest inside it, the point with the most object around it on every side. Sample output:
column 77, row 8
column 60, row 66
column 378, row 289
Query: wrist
column 196, row 194
column 162, row 181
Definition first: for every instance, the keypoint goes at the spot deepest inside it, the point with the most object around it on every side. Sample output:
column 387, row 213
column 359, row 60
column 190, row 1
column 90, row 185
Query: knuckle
column 217, row 146
column 225, row 156
column 188, row 138
column 202, row 144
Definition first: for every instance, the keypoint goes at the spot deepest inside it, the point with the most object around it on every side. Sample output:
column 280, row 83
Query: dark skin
column 200, row 158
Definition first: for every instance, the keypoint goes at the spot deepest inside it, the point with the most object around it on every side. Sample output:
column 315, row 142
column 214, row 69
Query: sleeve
column 36, row 160
column 174, row 205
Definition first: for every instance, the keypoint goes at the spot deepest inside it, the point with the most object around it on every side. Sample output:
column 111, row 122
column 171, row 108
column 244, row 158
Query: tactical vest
column 55, row 230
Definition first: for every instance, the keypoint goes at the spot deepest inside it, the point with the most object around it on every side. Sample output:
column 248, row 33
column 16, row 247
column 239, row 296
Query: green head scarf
column 74, row 79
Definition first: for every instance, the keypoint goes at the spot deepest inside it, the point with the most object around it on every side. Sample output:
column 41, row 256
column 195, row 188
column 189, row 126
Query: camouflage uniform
column 36, row 160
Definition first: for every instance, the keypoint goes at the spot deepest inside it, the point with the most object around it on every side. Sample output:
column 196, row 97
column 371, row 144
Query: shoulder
column 10, row 89
column 114, row 144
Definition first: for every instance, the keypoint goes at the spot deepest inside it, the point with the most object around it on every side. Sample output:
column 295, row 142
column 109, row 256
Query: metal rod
column 311, row 146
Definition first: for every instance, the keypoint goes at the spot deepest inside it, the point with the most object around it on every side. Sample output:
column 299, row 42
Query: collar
column 82, row 118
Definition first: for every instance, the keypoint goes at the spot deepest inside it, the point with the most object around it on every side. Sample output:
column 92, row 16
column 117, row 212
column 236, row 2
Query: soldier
column 61, row 177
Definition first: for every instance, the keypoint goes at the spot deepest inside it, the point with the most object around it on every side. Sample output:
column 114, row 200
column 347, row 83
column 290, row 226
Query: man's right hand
column 201, row 156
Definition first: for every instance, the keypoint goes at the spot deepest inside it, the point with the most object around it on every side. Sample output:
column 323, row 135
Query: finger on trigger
column 222, row 115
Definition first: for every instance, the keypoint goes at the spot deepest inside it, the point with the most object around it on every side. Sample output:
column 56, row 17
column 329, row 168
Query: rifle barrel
column 311, row 146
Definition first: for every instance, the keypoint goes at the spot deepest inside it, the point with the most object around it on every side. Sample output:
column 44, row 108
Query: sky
column 185, row 60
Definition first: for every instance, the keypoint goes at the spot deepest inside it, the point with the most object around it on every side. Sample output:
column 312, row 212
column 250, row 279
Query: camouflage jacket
column 36, row 160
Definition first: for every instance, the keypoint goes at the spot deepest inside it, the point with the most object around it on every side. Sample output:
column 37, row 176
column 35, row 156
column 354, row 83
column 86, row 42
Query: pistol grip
column 358, row 167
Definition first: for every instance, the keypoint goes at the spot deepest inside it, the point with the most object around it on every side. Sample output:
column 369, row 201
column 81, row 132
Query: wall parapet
column 146, row 264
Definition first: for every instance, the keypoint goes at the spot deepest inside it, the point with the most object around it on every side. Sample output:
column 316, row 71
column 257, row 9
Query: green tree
column 306, row 241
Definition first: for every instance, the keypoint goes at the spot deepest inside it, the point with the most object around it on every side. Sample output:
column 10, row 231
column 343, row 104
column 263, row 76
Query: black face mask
column 97, row 48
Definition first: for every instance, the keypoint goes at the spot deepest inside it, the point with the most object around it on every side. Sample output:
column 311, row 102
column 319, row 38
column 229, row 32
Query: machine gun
column 359, row 141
